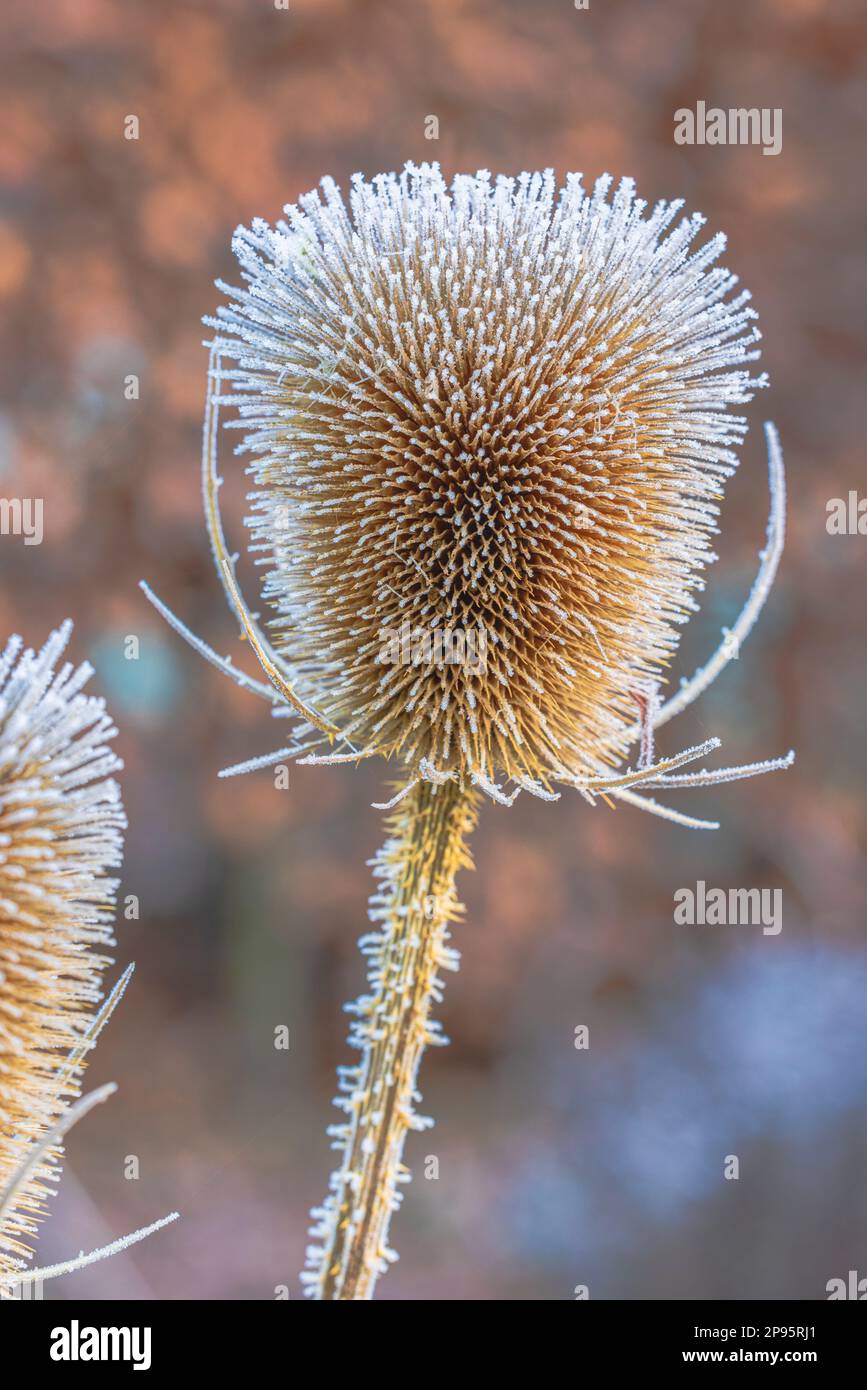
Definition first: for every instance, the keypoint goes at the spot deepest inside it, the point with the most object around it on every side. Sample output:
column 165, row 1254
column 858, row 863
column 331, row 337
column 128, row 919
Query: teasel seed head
column 485, row 409
column 61, row 833
column 491, row 411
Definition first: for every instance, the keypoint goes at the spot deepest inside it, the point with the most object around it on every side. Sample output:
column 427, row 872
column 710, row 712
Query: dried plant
column 479, row 408
column 61, row 834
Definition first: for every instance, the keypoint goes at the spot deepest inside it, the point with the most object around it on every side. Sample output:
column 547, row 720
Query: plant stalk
column 414, row 904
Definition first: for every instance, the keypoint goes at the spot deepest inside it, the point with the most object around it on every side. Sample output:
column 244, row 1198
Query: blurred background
column 557, row 1167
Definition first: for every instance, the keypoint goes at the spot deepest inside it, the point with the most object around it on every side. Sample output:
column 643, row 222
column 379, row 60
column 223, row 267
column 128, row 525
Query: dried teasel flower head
column 490, row 430
column 61, row 833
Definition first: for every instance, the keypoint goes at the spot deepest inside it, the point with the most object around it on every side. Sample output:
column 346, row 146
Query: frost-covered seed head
column 486, row 406
column 61, row 824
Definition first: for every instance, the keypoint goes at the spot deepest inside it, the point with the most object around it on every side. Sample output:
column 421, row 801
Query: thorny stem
column 415, row 905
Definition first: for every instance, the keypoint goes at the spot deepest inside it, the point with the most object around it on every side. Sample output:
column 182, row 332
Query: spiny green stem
column 415, row 905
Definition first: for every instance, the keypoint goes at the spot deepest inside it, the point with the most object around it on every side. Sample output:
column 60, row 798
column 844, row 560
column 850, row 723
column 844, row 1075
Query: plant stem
column 415, row 905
